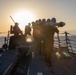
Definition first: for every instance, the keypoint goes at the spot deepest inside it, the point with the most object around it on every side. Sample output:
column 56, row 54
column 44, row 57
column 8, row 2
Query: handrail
column 67, row 41
column 4, row 39
column 72, row 34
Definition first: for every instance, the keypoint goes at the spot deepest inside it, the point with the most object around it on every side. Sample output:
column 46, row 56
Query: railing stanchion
column 58, row 41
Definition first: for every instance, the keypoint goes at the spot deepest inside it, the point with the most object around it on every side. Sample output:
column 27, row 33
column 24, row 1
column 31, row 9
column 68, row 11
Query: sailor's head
column 39, row 20
column 43, row 20
column 48, row 20
column 54, row 19
column 16, row 23
column 61, row 24
column 29, row 24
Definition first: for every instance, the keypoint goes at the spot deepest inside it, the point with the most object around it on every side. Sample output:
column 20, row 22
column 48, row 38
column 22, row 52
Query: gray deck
column 38, row 65
column 7, row 60
column 64, row 66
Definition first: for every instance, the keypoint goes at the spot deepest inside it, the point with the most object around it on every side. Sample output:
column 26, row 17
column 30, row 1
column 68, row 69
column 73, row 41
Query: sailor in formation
column 44, row 30
column 28, row 29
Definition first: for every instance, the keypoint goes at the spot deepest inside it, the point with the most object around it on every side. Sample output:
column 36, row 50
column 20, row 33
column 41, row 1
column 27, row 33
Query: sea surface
column 1, row 41
column 71, row 42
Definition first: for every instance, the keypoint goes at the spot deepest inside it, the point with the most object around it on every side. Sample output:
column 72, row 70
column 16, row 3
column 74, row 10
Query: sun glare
column 23, row 18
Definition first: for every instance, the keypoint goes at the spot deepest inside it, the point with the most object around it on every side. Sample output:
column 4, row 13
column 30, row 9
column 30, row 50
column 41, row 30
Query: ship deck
column 7, row 61
column 38, row 66
column 62, row 66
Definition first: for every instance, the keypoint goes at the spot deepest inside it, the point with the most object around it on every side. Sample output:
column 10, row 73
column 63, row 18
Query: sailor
column 54, row 20
column 17, row 38
column 48, row 41
column 27, row 29
column 61, row 24
column 51, row 21
column 39, row 21
column 16, row 30
column 43, row 22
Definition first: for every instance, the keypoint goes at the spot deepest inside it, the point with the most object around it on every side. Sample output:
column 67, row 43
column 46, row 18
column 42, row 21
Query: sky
column 62, row 10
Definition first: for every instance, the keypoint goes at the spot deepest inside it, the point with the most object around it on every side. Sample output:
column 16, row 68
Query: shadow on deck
column 38, row 66
column 63, row 66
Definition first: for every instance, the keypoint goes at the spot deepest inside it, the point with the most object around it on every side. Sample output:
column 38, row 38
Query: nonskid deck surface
column 63, row 66
column 38, row 66
column 7, row 60
column 10, row 58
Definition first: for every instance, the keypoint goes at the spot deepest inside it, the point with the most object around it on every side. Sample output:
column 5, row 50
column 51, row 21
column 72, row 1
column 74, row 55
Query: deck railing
column 4, row 38
column 65, row 40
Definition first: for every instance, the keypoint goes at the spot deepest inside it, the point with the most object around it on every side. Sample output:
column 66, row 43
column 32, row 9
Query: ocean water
column 1, row 40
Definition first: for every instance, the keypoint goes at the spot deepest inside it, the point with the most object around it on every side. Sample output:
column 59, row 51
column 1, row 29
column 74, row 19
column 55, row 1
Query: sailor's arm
column 56, row 30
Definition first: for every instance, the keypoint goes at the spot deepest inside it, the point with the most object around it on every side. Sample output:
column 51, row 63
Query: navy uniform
column 27, row 30
column 16, row 30
column 49, row 41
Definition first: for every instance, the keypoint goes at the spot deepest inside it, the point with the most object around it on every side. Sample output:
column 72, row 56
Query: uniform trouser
column 48, row 48
column 27, row 33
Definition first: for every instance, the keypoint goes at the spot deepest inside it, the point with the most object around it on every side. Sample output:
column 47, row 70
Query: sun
column 23, row 18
